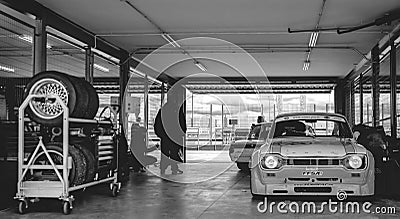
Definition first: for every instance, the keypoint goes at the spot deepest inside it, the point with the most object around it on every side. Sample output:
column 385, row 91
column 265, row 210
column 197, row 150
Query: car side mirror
column 356, row 134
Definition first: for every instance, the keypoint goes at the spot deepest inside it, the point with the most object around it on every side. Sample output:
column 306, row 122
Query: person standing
column 170, row 127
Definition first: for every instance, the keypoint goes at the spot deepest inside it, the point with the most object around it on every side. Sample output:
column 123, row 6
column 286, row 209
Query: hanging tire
column 93, row 105
column 76, row 174
column 51, row 82
column 90, row 161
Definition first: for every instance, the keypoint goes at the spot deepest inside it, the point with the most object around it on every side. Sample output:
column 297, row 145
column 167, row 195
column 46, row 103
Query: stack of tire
column 82, row 102
column 78, row 94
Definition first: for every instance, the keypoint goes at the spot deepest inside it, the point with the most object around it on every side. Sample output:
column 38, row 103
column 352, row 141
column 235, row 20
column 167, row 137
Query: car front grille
column 313, row 189
column 313, row 162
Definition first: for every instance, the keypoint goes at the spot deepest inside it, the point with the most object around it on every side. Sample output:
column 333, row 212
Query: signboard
column 132, row 105
column 114, row 100
column 233, row 121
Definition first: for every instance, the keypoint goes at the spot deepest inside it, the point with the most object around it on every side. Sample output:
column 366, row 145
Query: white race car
column 311, row 154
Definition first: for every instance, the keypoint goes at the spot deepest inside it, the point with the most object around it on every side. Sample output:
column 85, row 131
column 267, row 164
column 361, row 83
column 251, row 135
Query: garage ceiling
column 258, row 26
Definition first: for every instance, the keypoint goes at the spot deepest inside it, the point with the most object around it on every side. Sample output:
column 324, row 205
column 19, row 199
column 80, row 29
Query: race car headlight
column 355, row 161
column 271, row 162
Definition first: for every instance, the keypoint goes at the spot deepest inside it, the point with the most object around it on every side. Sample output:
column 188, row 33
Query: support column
column 89, row 65
column 393, row 91
column 375, row 85
column 39, row 47
column 180, row 97
column 192, row 118
column 339, row 98
column 184, row 113
column 123, row 81
column 352, row 104
column 162, row 93
column 146, row 104
column 361, row 99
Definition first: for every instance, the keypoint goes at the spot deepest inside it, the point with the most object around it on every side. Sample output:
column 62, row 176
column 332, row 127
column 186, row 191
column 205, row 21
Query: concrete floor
column 148, row 196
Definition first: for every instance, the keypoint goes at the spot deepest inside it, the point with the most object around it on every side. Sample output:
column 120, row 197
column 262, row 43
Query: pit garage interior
column 231, row 61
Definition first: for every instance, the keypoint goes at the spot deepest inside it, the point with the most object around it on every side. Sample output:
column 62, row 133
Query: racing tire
column 82, row 98
column 90, row 161
column 51, row 82
column 93, row 105
column 243, row 166
column 76, row 174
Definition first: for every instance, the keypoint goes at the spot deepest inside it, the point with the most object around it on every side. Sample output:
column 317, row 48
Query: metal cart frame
column 33, row 190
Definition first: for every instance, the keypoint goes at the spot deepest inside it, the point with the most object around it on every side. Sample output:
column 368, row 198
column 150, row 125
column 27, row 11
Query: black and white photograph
column 199, row 109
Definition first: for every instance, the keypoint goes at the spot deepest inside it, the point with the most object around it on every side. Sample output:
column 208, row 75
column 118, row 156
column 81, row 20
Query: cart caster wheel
column 22, row 207
column 114, row 191
column 66, row 208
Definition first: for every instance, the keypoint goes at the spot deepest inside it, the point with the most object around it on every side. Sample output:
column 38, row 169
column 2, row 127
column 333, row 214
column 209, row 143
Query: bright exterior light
column 271, row 162
column 29, row 39
column 101, row 68
column 355, row 161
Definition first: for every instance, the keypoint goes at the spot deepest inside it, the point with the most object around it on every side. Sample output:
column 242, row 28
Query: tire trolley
column 62, row 161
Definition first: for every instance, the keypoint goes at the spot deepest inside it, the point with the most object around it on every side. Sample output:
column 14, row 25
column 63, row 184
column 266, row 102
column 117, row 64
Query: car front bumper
column 291, row 181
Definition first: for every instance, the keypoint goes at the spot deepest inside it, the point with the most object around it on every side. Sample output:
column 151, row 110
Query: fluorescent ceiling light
column 200, row 66
column 384, row 52
column 139, row 73
column 397, row 41
column 101, row 68
column 169, row 39
column 29, row 39
column 6, row 68
column 313, row 39
column 306, row 65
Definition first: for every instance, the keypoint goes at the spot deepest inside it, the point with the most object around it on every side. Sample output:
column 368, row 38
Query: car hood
column 247, row 143
column 309, row 147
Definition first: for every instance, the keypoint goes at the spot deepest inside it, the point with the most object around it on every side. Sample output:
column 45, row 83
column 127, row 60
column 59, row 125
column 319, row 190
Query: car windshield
column 259, row 131
column 312, row 128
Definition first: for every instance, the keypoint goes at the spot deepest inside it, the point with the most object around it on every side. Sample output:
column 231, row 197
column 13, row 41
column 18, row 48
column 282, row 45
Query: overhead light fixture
column 397, row 41
column 306, row 65
column 313, row 39
column 170, row 40
column 384, row 52
column 6, row 68
column 101, row 68
column 200, row 66
column 29, row 39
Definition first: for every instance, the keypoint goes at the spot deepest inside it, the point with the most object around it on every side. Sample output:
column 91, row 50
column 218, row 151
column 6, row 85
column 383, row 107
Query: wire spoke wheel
column 48, row 108
column 41, row 159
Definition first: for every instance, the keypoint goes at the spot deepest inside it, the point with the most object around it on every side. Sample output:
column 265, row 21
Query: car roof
column 262, row 123
column 310, row 113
